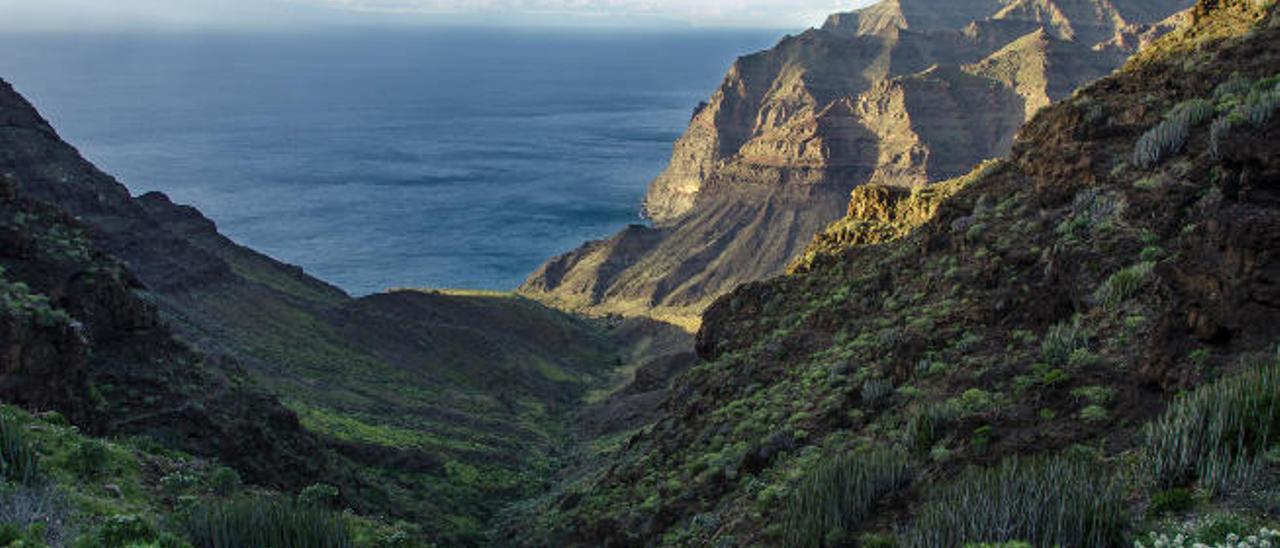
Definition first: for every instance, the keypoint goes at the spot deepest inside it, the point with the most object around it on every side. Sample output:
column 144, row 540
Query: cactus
column 841, row 493
column 1059, row 501
column 1216, row 434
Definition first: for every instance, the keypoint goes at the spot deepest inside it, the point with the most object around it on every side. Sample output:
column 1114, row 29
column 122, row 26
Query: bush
column 1217, row 434
column 1062, row 340
column 1062, row 501
column 1264, row 537
column 224, row 481
column 1094, row 413
column 1092, row 210
column 89, row 459
column 1172, row 501
column 1123, row 285
column 1170, row 135
column 833, row 499
column 250, row 523
column 875, row 390
column 19, row 462
column 319, row 494
column 125, row 531
column 1218, row 131
column 926, row 422
column 39, row 512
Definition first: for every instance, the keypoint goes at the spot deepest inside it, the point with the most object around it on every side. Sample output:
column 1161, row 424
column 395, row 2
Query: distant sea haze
column 455, row 158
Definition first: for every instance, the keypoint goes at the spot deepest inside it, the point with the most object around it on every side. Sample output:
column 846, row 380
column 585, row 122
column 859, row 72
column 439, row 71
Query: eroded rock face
column 902, row 93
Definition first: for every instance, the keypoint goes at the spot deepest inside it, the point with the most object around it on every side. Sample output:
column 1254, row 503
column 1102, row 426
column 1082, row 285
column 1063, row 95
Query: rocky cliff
column 902, row 93
column 1049, row 350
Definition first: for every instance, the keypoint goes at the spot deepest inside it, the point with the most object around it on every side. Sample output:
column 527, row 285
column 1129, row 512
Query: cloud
column 758, row 12
column 65, row 14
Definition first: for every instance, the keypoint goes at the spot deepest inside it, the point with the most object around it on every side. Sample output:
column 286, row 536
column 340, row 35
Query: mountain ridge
column 792, row 130
column 1013, row 356
column 250, row 350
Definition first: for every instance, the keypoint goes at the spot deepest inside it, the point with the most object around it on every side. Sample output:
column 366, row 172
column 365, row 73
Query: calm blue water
column 430, row 158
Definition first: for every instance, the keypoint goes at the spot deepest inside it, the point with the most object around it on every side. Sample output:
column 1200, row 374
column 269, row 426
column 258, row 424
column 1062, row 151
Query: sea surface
column 448, row 158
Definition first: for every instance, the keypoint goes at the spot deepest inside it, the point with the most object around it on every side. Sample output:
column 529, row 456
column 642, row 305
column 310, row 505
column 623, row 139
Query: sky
column 40, row 15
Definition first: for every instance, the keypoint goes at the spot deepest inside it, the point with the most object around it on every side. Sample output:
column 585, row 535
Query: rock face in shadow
column 902, row 93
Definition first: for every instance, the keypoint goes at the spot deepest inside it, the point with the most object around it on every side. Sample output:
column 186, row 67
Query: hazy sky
column 184, row 14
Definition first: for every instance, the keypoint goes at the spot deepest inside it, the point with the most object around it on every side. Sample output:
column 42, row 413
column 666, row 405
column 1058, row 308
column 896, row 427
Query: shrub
column 1175, row 539
column 1172, row 501
column 319, row 494
column 19, row 462
column 250, row 523
column 1092, row 208
column 878, row 541
column 1260, row 108
column 1218, row 433
column 926, row 421
column 125, row 530
column 1062, row 501
column 89, row 459
column 179, row 483
column 1094, row 413
column 976, row 401
column 1062, row 340
column 1235, row 85
column 1151, row 254
column 42, row 512
column 1123, row 285
column 875, row 390
column 1082, row 358
column 834, row 498
column 1170, row 135
column 224, row 481
column 1218, row 131
column 1093, row 394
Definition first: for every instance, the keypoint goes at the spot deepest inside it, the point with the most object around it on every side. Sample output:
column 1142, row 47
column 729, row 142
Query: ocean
column 443, row 158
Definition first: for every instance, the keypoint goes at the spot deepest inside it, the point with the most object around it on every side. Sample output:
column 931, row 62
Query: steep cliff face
column 1097, row 301
column 904, row 92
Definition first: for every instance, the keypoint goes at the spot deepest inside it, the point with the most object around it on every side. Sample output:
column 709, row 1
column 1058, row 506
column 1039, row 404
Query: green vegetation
column 1063, row 340
column 1175, row 500
column 1218, row 434
column 1062, row 501
column 90, row 493
column 1242, row 103
column 1216, row 533
column 1123, row 285
column 252, row 523
column 17, row 299
column 19, row 462
column 833, row 499
column 1169, row 136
